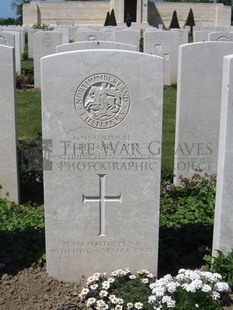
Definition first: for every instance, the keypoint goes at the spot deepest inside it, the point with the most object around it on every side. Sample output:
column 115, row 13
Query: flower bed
column 189, row 289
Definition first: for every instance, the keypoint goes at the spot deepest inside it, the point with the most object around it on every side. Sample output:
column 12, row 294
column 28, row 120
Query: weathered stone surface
column 8, row 153
column 12, row 39
column 221, row 36
column 201, row 36
column 223, row 228
column 30, row 41
column 94, row 45
column 102, row 166
column 44, row 43
column 182, row 35
column 198, row 107
column 19, row 29
column 88, row 35
column 128, row 36
column 164, row 44
column 17, row 47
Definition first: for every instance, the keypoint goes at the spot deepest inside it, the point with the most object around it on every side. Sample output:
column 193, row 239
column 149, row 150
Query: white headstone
column 102, row 189
column 17, row 49
column 201, row 36
column 151, row 29
column 65, row 34
column 22, row 35
column 109, row 32
column 164, row 44
column 45, row 43
column 128, row 36
column 183, row 35
column 198, row 107
column 94, row 45
column 30, row 41
column 6, row 38
column 220, row 36
column 72, row 33
column 8, row 150
column 90, row 35
column 223, row 228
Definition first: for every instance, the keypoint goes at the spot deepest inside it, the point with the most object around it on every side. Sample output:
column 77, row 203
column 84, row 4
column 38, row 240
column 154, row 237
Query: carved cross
column 102, row 199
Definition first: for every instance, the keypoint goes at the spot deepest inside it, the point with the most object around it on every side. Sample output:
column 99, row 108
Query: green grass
column 27, row 64
column 28, row 114
column 168, row 139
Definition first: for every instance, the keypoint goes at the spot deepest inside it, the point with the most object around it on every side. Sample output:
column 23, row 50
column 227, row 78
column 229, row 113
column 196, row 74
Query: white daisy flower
column 91, row 301
column 113, row 299
column 143, row 271
column 132, row 277
column 120, row 301
column 138, row 305
column 145, row 281
column 106, row 285
column 129, row 305
column 94, row 286
column 84, row 292
column 101, row 304
column 103, row 293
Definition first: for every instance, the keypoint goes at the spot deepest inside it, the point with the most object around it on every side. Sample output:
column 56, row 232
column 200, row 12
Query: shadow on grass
column 178, row 248
column 31, row 193
column 183, row 247
column 31, row 171
column 20, row 249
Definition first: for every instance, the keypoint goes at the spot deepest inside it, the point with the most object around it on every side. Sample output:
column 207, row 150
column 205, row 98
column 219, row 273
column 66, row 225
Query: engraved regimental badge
column 102, row 101
column 47, row 42
column 222, row 38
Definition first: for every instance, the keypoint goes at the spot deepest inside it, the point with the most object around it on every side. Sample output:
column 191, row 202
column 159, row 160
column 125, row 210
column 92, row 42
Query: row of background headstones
column 117, row 34
column 69, row 34
column 198, row 111
column 109, row 31
column 156, row 42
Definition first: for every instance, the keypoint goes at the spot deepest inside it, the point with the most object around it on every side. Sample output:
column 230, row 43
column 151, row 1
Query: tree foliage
column 113, row 18
column 174, row 22
column 17, row 6
column 190, row 21
column 8, row 21
column 107, row 19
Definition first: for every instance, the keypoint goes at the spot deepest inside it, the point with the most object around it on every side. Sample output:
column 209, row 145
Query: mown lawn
column 28, row 114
